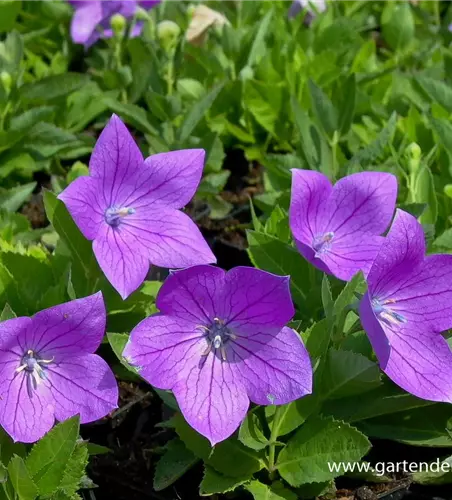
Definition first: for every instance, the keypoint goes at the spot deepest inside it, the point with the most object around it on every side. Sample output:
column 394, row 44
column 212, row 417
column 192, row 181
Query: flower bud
column 413, row 154
column 141, row 14
column 7, row 81
column 448, row 190
column 191, row 10
column 118, row 25
column 168, row 32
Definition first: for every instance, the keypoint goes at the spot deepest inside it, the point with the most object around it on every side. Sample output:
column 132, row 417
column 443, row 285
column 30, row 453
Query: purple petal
column 361, row 203
column 375, row 331
column 417, row 361
column 81, row 198
column 350, row 255
column 255, row 301
column 169, row 352
column 69, row 329
column 83, row 385
column 275, row 369
column 212, row 398
column 424, row 299
column 148, row 4
column 118, row 163
column 310, row 192
column 169, row 238
column 190, row 294
column 121, row 259
column 402, row 251
column 173, row 177
column 85, row 20
column 165, row 349
column 24, row 418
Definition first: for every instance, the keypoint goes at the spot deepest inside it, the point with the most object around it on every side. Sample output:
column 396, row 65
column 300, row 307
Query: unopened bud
column 141, row 14
column 191, row 10
column 118, row 25
column 168, row 32
column 448, row 190
column 413, row 154
column 7, row 81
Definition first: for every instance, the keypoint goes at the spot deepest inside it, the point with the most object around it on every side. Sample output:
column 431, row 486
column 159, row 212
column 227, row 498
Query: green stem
column 279, row 411
column 4, row 115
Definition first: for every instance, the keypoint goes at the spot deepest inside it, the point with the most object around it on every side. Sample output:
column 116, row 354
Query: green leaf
column 197, row 113
column 419, row 427
column 444, row 241
column 50, row 456
column 370, row 153
column 424, row 192
column 306, row 132
column 317, row 338
column 132, row 114
column 292, row 416
column 319, row 442
column 397, row 23
column 251, row 433
column 323, row 109
column 258, row 46
column 347, row 295
column 276, row 491
column 347, row 104
column 118, row 343
column 21, row 480
column 9, row 10
column 173, row 464
column 75, row 470
column 214, row 482
column 385, row 400
column 52, row 87
column 12, row 199
column 7, row 313
column 85, row 270
column 264, row 103
column 224, row 457
column 270, row 254
column 436, row 90
column 347, row 373
column 437, row 472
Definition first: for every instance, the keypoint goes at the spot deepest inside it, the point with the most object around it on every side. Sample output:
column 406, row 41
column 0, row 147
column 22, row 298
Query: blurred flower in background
column 312, row 6
column 92, row 18
column 202, row 18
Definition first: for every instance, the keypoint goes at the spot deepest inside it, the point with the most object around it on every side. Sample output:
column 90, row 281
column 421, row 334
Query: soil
column 131, row 432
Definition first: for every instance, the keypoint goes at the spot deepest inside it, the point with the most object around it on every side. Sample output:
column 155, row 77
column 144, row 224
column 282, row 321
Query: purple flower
column 407, row 306
column 129, row 207
column 91, row 19
column 48, row 370
column 337, row 228
column 219, row 342
column 300, row 5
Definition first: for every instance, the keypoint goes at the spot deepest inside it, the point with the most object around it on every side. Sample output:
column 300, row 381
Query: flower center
column 385, row 313
column 217, row 336
column 322, row 243
column 113, row 215
column 34, row 368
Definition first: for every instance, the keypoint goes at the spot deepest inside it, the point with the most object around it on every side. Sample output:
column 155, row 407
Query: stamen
column 322, row 243
column 31, row 365
column 113, row 215
column 387, row 314
column 217, row 336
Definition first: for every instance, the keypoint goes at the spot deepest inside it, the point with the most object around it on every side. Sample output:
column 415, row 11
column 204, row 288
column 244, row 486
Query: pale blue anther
column 385, row 313
column 322, row 243
column 114, row 215
column 217, row 335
